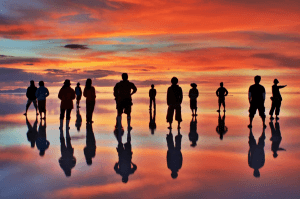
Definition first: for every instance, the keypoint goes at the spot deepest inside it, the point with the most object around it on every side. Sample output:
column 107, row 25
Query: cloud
column 76, row 46
column 281, row 60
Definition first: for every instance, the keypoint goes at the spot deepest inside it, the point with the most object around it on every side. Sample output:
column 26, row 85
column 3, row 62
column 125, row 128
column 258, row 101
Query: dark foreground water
column 93, row 165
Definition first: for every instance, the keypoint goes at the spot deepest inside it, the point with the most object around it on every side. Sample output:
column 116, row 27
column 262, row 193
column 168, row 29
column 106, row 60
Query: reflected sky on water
column 37, row 162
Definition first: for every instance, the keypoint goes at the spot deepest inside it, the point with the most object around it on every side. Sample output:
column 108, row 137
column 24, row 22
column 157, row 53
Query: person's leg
column 35, row 106
column 170, row 114
column 68, row 117
column 272, row 110
column 88, row 112
column 154, row 104
column 223, row 102
column 62, row 115
column 178, row 117
column 219, row 101
column 128, row 112
column 150, row 106
column 92, row 111
column 27, row 106
column 278, row 105
column 261, row 110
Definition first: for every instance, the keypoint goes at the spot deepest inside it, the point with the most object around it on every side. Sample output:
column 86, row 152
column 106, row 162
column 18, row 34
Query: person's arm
column 226, row 92
column 264, row 94
column 27, row 92
column 84, row 92
column 197, row 93
column 180, row 95
column 134, row 167
column 47, row 92
column 94, row 92
column 190, row 93
column 154, row 92
column 282, row 86
column 249, row 96
column 60, row 94
column 116, row 168
column 168, row 96
column 217, row 92
column 134, row 89
column 150, row 93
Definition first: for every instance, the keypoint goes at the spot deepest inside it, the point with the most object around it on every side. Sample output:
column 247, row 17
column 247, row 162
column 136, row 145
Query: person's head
column 31, row 83
column 257, row 79
column 152, row 85
column 174, row 80
column 32, row 144
column 125, row 76
column 221, row 136
column 194, row 144
column 174, row 174
column 42, row 153
column 78, row 84
column 89, row 161
column 67, row 172
column 276, row 81
column 221, row 84
column 88, row 83
column 275, row 154
column 125, row 179
column 41, row 83
column 256, row 173
column 193, row 85
column 67, row 83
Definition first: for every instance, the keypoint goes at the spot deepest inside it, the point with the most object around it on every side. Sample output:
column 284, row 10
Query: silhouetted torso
column 222, row 92
column 152, row 93
column 257, row 92
column 122, row 91
column 66, row 95
column 31, row 90
column 275, row 92
column 174, row 95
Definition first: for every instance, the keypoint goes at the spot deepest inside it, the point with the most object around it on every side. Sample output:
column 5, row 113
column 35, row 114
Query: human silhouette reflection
column 78, row 120
column 41, row 142
column 67, row 161
column 276, row 138
column 193, row 135
column 90, row 149
column 125, row 166
column 152, row 123
column 221, row 128
column 256, row 154
column 32, row 132
column 174, row 155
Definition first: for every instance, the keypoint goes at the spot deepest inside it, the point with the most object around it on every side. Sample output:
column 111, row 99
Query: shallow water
column 214, row 168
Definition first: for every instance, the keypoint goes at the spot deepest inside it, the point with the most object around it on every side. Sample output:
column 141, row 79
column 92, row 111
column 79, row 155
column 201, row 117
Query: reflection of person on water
column 125, row 166
column 67, row 161
column 78, row 120
column 174, row 155
column 90, row 149
column 41, row 142
column 32, row 132
column 221, row 128
column 152, row 123
column 256, row 154
column 193, row 135
column 276, row 139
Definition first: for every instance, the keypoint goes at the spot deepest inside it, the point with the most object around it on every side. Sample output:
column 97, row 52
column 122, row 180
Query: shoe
column 277, row 118
column 178, row 127
column 25, row 114
column 265, row 126
column 196, row 115
column 224, row 111
column 37, row 113
column 271, row 117
column 249, row 126
column 218, row 110
column 169, row 127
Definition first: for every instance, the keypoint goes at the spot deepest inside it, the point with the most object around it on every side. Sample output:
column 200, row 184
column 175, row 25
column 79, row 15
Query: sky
column 205, row 42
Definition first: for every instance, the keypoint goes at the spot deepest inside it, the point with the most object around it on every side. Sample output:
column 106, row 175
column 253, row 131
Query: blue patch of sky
column 79, row 18
column 7, row 7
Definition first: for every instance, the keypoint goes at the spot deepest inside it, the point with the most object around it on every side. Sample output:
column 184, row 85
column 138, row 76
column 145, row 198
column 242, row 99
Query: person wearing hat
column 193, row 94
column 221, row 93
column 276, row 99
column 78, row 92
column 90, row 94
column 41, row 93
column 66, row 95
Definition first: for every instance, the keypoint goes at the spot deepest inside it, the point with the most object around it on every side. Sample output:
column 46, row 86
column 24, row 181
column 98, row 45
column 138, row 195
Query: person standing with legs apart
column 257, row 96
column 90, row 94
column 41, row 93
column 30, row 94
column 122, row 93
column 221, row 93
column 66, row 95
column 193, row 95
column 152, row 94
column 276, row 99
column 78, row 94
column 174, row 100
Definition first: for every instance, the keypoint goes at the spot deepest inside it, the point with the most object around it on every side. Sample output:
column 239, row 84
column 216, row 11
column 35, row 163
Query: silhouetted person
column 174, row 155
column 221, row 93
column 90, row 94
column 193, row 135
column 123, row 91
column 256, row 154
column 125, row 166
column 257, row 96
column 276, row 99
column 193, row 95
column 32, row 132
column 78, row 93
column 41, row 93
column 174, row 100
column 276, row 139
column 78, row 120
column 67, row 161
column 30, row 94
column 152, row 123
column 152, row 94
column 41, row 142
column 90, row 149
column 66, row 95
column 221, row 128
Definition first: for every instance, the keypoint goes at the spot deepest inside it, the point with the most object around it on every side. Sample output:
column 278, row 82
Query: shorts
column 193, row 104
column 32, row 101
column 42, row 106
column 124, row 106
column 221, row 100
column 254, row 107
